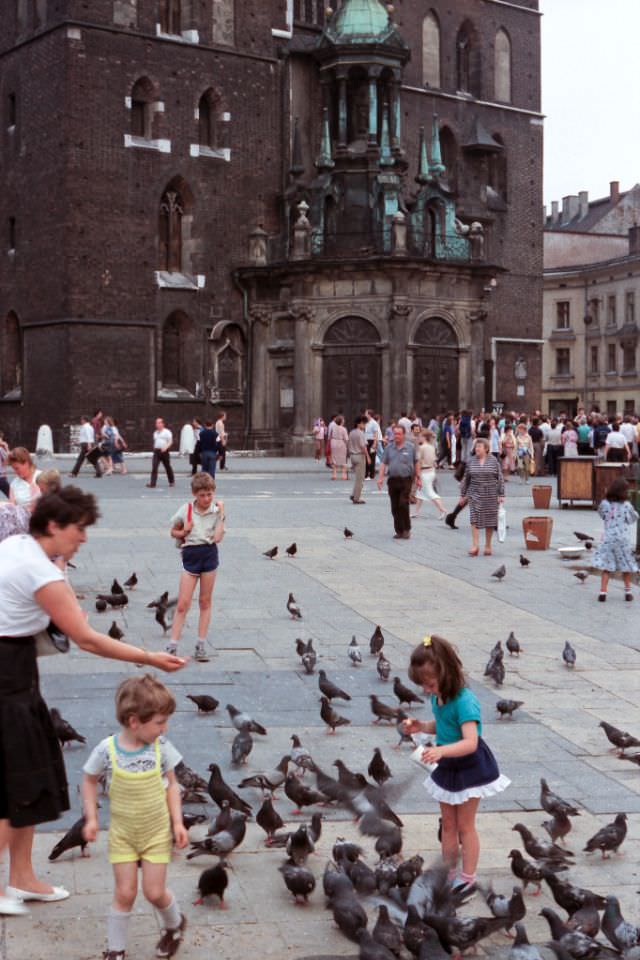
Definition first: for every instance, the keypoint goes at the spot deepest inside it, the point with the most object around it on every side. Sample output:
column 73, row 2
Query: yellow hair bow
column 426, row 642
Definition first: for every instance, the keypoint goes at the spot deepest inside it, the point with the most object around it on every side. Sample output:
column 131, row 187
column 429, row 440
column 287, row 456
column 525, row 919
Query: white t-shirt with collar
column 162, row 438
column 24, row 569
column 86, row 434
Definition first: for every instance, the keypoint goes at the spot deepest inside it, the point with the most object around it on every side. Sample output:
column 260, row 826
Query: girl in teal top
column 466, row 770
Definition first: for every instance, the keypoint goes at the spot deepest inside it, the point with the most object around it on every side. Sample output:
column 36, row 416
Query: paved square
column 344, row 587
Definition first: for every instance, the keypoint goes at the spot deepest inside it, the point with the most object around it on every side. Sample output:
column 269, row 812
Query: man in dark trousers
column 162, row 441
column 400, row 462
column 88, row 449
column 210, row 448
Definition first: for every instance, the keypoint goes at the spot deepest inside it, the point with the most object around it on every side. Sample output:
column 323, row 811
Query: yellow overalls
column 140, row 828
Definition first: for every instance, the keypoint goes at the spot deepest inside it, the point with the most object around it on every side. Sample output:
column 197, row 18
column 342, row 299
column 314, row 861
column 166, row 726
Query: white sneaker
column 11, row 907
column 200, row 654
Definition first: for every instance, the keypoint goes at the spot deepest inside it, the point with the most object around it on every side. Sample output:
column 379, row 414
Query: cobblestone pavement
column 425, row 585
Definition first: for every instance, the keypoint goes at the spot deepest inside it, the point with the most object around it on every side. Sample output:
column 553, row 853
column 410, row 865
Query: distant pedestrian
column 198, row 526
column 483, row 486
column 145, row 810
column 120, row 445
column 401, row 463
column 162, row 442
column 360, row 456
column 371, row 433
column 570, row 440
column 210, row 448
column 339, row 444
column 223, row 437
column 4, row 459
column 97, row 422
column 194, row 458
column 615, row 554
column 319, row 433
column 616, row 449
column 23, row 489
column 88, row 449
column 427, row 457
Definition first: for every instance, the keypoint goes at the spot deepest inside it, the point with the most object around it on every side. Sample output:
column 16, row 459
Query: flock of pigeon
column 416, row 907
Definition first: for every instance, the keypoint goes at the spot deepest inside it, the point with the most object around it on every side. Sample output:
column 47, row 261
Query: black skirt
column 476, row 769
column 33, row 782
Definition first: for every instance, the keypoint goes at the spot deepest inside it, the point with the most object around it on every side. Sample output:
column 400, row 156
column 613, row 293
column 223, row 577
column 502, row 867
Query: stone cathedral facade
column 276, row 207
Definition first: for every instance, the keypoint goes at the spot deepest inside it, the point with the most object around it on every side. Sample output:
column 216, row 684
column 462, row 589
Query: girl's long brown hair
column 439, row 656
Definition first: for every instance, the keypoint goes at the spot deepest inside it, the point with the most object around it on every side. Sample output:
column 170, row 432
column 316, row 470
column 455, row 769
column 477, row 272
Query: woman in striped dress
column 483, row 487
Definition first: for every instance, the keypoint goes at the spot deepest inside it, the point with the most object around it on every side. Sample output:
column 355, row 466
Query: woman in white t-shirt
column 616, row 448
column 33, row 594
column 23, row 489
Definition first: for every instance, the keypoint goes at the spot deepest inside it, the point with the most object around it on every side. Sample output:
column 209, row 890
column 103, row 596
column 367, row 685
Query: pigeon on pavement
column 300, row 756
column 115, row 632
column 541, row 849
column 581, row 575
column 382, row 711
column 582, row 537
column 521, row 948
column 299, row 881
column 347, row 533
column 609, row 837
column 510, row 909
column 506, row 708
column 620, row 934
column 309, row 659
column 113, row 599
column 242, row 721
column 213, row 882
column 524, row 561
column 404, row 694
column 271, row 554
column 241, row 747
column 330, row 690
column 553, row 804
column 223, row 843
column 376, row 643
column 496, row 671
column 383, row 666
column 301, row 795
column 269, row 820
column 512, row 645
column 72, row 838
column 500, row 573
column 577, row 944
column 378, row 769
column 270, row 781
column 558, row 827
column 292, row 549
column 203, row 702
column 569, row 654
column 330, row 717
column 526, row 871
column 619, row 738
column 219, row 791
column 131, row 583
column 116, row 588
column 294, row 610
column 188, row 778
column 63, row 730
column 386, row 933
column 568, row 896
column 353, row 652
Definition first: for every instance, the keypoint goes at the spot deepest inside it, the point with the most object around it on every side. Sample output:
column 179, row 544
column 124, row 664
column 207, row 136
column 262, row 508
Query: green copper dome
column 360, row 21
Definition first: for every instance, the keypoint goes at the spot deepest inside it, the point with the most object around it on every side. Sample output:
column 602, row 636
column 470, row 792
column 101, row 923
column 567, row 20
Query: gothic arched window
column 209, row 118
column 431, row 50
column 468, row 65
column 171, row 16
column 10, row 355
column 449, row 148
column 497, row 172
column 176, row 351
column 502, row 67
column 143, row 94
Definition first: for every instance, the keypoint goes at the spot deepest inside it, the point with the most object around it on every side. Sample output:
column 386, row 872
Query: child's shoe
column 113, row 955
column 200, row 654
column 171, row 648
column 628, row 595
column 602, row 597
column 169, row 943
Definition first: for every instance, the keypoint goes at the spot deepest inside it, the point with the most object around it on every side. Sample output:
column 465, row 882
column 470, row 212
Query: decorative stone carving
column 260, row 313
column 399, row 235
column 520, row 369
column 436, row 332
column 258, row 247
column 352, row 330
column 301, row 312
column 476, row 240
column 301, row 233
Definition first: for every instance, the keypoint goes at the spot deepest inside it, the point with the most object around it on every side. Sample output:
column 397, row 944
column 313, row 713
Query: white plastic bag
column 502, row 523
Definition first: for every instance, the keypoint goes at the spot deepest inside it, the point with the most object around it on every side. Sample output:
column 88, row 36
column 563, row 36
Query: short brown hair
column 202, row 481
column 143, row 697
column 63, row 506
column 20, row 455
column 438, row 655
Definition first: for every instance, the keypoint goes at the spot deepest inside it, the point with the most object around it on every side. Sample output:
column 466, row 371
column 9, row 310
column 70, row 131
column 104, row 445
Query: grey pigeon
column 587, row 918
column 386, row 933
column 242, row 721
column 620, row 934
column 299, row 881
column 292, row 549
column 541, row 849
column 349, row 915
column 497, row 672
column 510, row 909
column 335, row 882
column 404, row 694
column 220, row 791
column 558, row 827
column 188, row 778
column 241, row 747
column 300, row 756
column 554, row 804
column 376, row 643
column 271, row 554
column 569, row 654
column 409, row 870
column 212, row 882
column 382, row 711
column 581, row 575
column 115, row 632
column 524, row 561
column 383, row 666
column 568, row 896
column 500, row 573
column 72, row 838
column 579, row 945
column 116, row 588
column 300, row 845
column 114, row 599
column 223, row 843
column 521, row 948
column 347, row 533
column 269, row 781
column 464, row 932
column 378, row 769
column 582, row 537
column 404, row 737
column 362, row 877
column 331, row 717
column 203, row 702
column 353, row 652
column 294, row 610
column 609, row 837
column 506, row 708
column 160, row 601
column 269, row 820
column 301, row 795
column 309, row 659
column 131, row 582
column 330, row 690
column 512, row 645
column 524, row 870
column 63, row 729
column 619, row 738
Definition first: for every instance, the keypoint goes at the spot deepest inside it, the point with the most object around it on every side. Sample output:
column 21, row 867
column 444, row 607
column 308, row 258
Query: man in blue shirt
column 209, row 448
column 401, row 462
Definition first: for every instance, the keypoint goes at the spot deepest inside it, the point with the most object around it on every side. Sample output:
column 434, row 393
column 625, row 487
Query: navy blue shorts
column 201, row 558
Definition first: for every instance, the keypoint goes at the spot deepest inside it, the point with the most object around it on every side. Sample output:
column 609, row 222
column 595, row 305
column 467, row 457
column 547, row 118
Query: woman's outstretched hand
column 167, row 661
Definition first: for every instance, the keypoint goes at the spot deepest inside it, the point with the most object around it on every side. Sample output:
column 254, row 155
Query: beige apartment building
column 591, row 305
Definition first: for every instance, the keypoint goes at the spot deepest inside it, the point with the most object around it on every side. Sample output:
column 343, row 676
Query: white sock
column 170, row 915
column 117, row 929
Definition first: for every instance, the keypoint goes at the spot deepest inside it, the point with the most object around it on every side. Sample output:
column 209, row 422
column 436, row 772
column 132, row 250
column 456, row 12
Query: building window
column 468, row 63
column 12, row 233
column 628, row 357
column 171, row 214
column 177, row 351
column 309, row 12
column 502, row 67
column 10, row 356
column 611, row 311
column 431, row 50
column 171, row 17
column 612, row 364
column 449, row 149
column 612, row 408
column 143, row 96
column 630, row 308
column 594, row 311
column 594, row 360
column 629, row 408
column 563, row 315
column 209, row 115
column 563, row 362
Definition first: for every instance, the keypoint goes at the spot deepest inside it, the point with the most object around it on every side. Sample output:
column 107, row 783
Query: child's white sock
column 117, row 929
column 170, row 915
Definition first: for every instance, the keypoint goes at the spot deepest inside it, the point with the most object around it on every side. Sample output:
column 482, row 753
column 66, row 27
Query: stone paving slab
column 425, row 585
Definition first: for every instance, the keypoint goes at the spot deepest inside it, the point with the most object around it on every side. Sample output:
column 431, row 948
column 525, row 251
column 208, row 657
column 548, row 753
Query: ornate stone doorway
column 435, row 368
column 351, row 379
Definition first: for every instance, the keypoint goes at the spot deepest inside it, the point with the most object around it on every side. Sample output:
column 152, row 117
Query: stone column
column 301, row 314
column 398, row 325
column 477, row 357
column 395, row 113
column 373, row 106
column 259, row 387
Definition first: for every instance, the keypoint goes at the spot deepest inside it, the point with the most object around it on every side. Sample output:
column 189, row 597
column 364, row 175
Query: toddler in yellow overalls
column 144, row 799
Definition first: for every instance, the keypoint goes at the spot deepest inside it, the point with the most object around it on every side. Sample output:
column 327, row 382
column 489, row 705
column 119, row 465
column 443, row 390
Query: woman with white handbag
column 483, row 487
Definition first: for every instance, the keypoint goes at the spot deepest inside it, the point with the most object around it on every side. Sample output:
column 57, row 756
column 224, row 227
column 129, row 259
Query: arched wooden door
column 351, row 379
column 435, row 368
